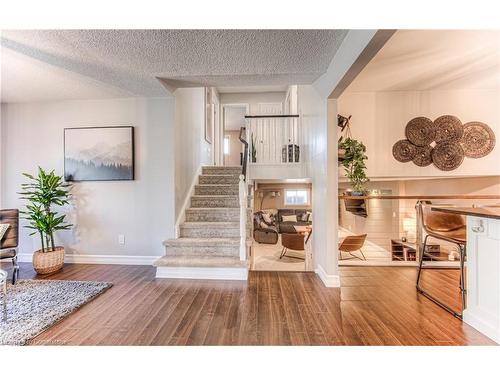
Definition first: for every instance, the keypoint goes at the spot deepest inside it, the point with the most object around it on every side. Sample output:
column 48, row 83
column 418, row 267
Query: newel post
column 243, row 217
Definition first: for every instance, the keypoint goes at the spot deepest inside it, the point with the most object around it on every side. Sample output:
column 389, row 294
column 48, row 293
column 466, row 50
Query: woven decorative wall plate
column 404, row 151
column 423, row 156
column 448, row 129
column 447, row 155
column 478, row 139
column 420, row 131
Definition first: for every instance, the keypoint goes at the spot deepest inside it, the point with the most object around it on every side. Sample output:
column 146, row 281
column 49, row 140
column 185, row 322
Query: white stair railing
column 243, row 217
column 274, row 139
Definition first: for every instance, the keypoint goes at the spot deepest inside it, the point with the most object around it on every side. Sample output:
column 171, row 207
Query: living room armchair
column 10, row 240
column 264, row 230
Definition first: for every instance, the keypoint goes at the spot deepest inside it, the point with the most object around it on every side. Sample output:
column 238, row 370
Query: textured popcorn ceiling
column 144, row 62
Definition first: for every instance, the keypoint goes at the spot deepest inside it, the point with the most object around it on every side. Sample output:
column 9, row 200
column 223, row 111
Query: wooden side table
column 407, row 251
column 403, row 251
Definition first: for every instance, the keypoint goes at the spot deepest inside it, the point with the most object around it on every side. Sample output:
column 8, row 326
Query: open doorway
column 233, row 119
column 282, row 225
column 418, row 80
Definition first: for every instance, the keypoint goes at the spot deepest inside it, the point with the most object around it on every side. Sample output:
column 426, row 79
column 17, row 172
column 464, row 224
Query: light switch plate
column 121, row 239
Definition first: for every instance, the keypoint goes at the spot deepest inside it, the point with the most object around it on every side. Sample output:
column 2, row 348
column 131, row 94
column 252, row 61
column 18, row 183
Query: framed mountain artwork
column 99, row 153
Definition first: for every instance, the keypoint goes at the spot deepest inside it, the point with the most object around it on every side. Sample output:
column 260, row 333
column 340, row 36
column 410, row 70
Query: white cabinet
column 483, row 276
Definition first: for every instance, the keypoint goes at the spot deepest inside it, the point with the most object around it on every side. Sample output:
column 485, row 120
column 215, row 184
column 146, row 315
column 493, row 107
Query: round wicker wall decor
column 447, row 155
column 404, row 151
column 448, row 129
column 478, row 139
column 423, row 156
column 420, row 131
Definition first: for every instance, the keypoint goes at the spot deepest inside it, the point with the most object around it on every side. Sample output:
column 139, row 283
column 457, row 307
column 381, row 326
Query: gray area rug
column 35, row 305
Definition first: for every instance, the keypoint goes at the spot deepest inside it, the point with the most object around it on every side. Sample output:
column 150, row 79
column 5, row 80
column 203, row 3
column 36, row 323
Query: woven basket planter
column 49, row 262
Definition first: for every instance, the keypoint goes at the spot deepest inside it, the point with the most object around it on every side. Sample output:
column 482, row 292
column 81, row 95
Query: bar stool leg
column 461, row 282
column 463, row 289
column 421, row 262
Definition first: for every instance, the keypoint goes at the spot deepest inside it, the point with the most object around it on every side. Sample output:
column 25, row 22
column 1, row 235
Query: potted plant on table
column 354, row 156
column 43, row 192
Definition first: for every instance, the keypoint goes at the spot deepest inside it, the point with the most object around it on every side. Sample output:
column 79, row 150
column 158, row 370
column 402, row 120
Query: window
column 296, row 197
column 226, row 145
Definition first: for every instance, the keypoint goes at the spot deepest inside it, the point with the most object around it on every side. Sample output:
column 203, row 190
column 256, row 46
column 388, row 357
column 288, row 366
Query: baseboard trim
column 330, row 281
column 203, row 273
column 187, row 201
column 100, row 259
column 483, row 325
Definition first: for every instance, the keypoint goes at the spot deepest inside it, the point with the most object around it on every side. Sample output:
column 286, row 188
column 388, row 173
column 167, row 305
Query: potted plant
column 354, row 164
column 354, row 153
column 342, row 123
column 43, row 192
column 253, row 150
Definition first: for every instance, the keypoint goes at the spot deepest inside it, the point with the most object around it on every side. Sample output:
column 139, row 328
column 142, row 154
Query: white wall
column 317, row 141
column 291, row 101
column 235, row 148
column 142, row 210
column 379, row 120
column 253, row 99
column 318, row 119
column 191, row 148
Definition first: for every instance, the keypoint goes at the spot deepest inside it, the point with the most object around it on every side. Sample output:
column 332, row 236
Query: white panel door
column 266, row 129
column 270, row 108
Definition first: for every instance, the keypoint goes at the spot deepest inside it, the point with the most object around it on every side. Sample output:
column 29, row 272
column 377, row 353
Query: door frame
column 222, row 126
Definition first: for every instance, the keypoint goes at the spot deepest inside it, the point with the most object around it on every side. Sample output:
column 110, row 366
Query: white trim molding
column 146, row 260
column 187, row 201
column 484, row 323
column 202, row 273
column 330, row 281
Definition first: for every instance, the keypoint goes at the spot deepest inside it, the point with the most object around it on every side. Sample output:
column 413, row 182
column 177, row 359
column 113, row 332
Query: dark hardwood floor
column 374, row 306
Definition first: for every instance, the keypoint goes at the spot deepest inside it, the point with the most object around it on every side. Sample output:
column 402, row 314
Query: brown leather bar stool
column 447, row 227
column 291, row 241
column 352, row 243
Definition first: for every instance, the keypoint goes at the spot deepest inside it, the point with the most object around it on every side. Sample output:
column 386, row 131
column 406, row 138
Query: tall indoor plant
column 354, row 156
column 44, row 192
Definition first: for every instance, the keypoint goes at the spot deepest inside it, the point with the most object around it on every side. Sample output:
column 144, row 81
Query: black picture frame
column 129, row 176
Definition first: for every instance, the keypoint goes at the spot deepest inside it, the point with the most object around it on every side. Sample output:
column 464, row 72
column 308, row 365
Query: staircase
column 208, row 246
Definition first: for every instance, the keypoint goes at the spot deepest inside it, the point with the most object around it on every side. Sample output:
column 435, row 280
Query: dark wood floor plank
column 374, row 306
column 201, row 326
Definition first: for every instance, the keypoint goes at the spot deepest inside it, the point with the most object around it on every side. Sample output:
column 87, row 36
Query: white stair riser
column 214, row 201
column 216, row 189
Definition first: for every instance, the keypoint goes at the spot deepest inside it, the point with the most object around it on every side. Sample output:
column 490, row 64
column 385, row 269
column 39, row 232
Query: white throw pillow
column 292, row 218
column 3, row 229
column 267, row 218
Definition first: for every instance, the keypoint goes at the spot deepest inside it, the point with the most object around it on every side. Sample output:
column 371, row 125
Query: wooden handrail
column 272, row 116
column 245, row 153
column 354, row 197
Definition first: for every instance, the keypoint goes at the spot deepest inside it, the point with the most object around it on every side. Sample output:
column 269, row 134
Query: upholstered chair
column 352, row 243
column 291, row 241
column 10, row 240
